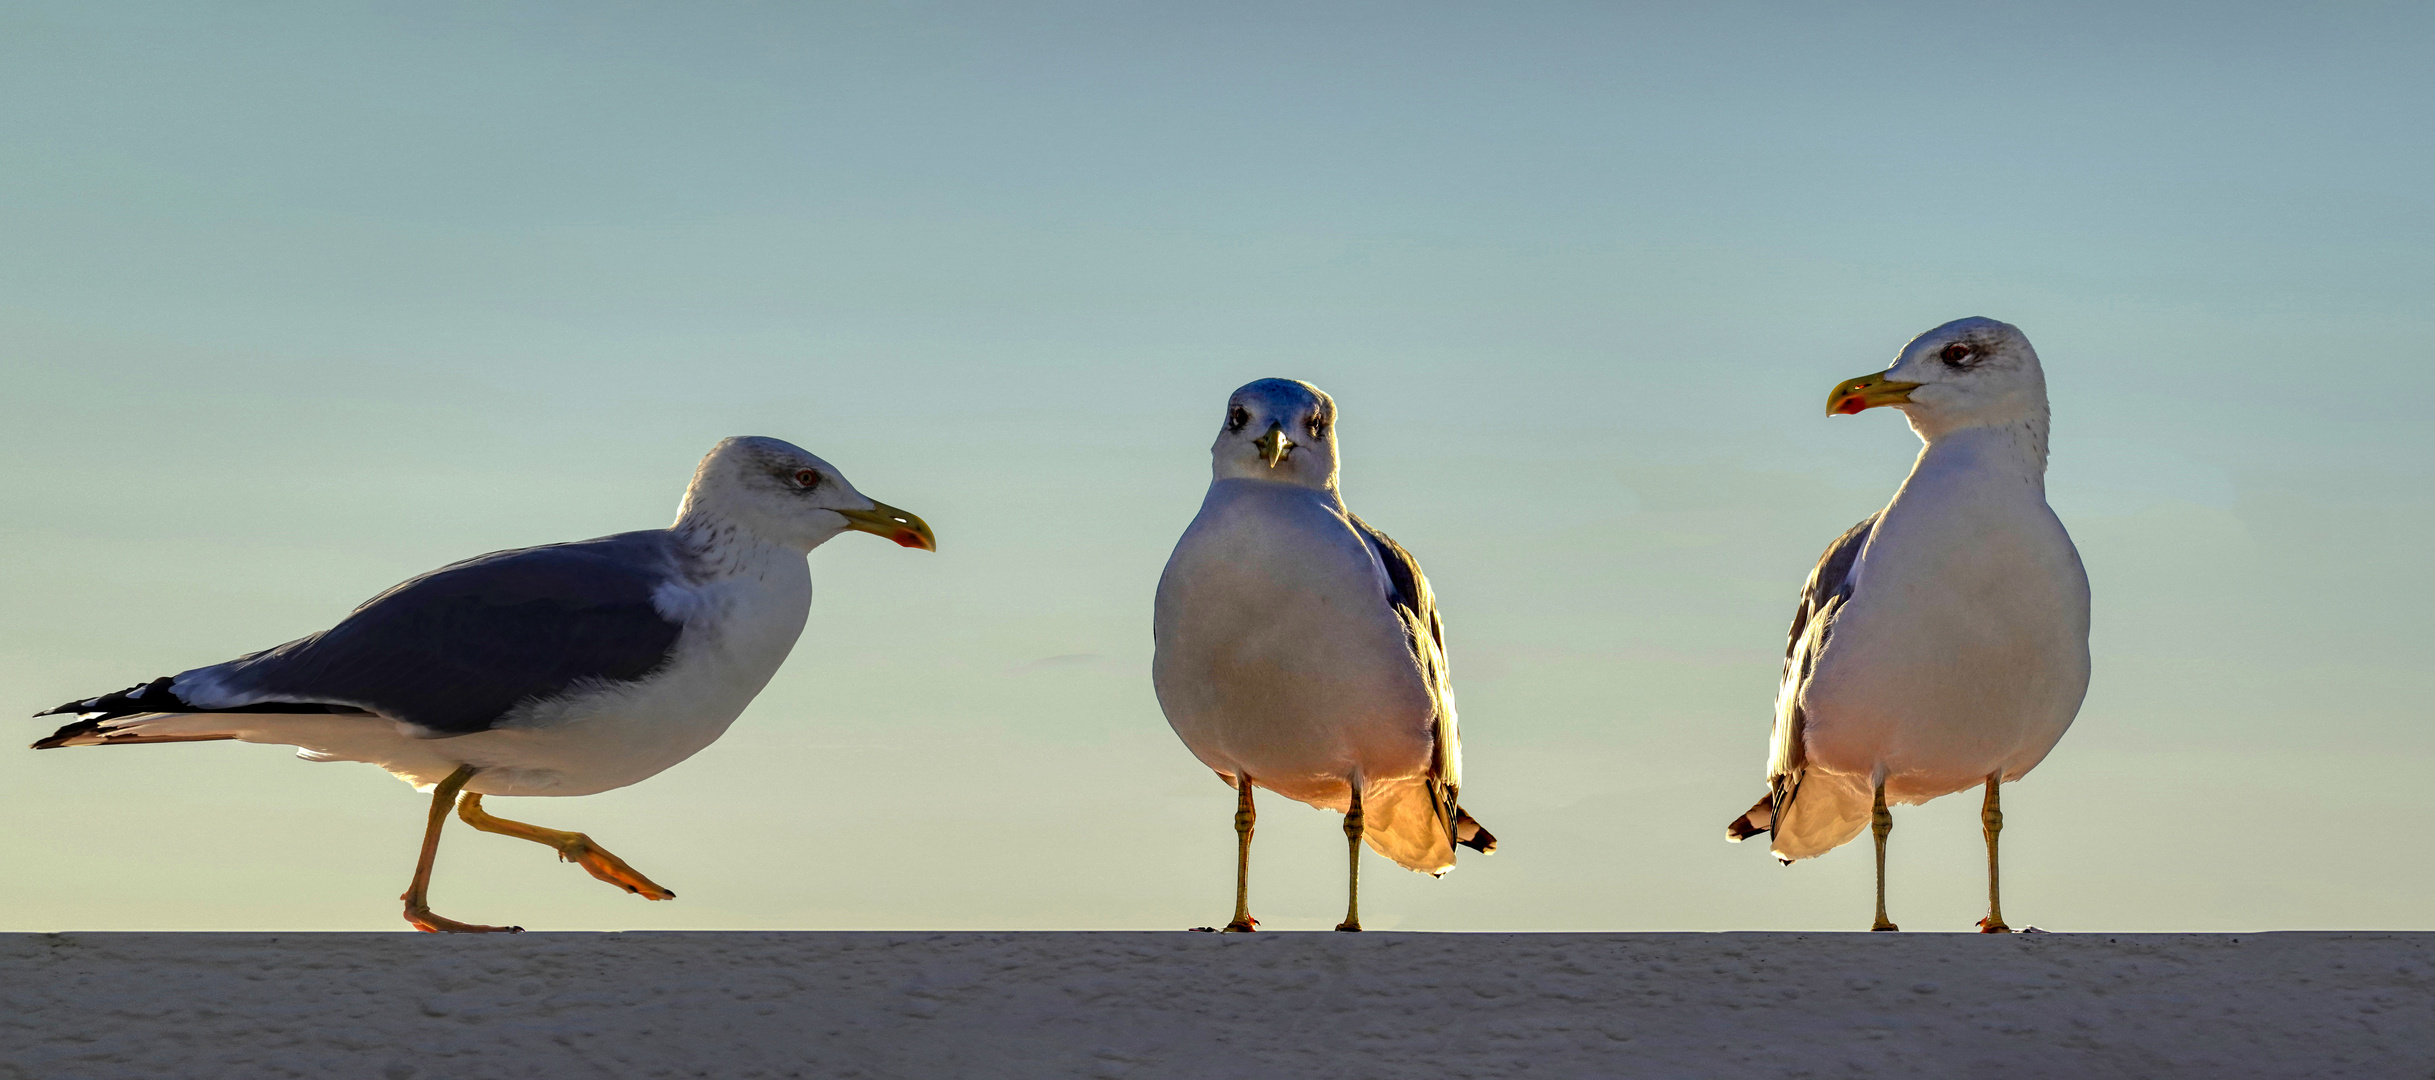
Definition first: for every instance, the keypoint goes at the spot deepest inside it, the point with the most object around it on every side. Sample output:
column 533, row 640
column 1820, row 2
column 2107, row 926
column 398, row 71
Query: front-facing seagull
column 1299, row 649
column 566, row 669
column 1942, row 643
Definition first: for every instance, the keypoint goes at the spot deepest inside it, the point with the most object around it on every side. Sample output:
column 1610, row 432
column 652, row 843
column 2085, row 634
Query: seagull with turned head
column 1941, row 644
column 566, row 669
column 1300, row 650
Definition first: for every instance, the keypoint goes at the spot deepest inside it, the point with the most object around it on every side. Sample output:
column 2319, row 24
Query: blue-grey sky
column 297, row 301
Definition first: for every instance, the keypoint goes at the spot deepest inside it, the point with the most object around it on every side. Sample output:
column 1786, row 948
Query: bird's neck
column 2015, row 448
column 717, row 547
column 1253, row 487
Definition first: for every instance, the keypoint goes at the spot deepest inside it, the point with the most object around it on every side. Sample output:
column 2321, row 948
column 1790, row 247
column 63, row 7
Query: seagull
column 565, row 669
column 1942, row 643
column 1300, row 650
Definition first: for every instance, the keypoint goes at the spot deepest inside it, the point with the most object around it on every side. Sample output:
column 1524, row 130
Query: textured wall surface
column 401, row 1005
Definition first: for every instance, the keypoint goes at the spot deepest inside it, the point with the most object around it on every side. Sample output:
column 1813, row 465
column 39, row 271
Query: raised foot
column 1885, row 926
column 425, row 921
column 1244, row 925
column 607, row 867
column 1990, row 926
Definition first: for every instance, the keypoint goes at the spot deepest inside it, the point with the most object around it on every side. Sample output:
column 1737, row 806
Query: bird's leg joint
column 1991, row 815
column 574, row 847
column 1244, row 815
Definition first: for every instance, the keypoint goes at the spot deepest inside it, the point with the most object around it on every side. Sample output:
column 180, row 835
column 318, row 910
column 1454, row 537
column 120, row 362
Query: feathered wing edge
column 117, row 719
column 1425, row 632
column 1823, row 595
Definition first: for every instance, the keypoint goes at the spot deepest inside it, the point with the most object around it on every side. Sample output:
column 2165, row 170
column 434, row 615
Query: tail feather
column 1806, row 815
column 1760, row 818
column 1823, row 812
column 99, row 720
column 1469, row 833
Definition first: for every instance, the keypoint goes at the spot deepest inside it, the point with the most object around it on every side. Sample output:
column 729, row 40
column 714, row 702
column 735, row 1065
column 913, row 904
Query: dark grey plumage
column 452, row 651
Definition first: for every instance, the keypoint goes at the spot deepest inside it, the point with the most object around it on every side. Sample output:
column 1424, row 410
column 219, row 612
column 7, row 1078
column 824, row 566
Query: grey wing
column 1409, row 593
column 456, row 649
column 1829, row 582
column 1829, row 587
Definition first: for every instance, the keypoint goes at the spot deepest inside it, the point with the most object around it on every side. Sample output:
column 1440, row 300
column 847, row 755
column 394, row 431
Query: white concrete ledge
column 740, row 1005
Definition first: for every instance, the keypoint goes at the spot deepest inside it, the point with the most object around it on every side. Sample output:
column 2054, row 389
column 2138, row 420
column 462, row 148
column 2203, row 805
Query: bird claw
column 425, row 921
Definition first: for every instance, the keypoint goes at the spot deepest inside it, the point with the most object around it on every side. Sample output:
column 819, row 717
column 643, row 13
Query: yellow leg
column 417, row 898
column 1244, row 815
column 1991, row 816
column 573, row 847
column 1881, row 822
column 1352, row 843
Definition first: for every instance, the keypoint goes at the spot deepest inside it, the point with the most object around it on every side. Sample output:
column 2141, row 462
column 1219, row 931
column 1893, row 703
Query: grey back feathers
column 1829, row 583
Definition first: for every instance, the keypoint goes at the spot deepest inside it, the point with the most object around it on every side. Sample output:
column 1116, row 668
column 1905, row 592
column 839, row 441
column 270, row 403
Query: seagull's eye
column 1318, row 426
column 1955, row 353
column 807, row 478
column 1236, row 417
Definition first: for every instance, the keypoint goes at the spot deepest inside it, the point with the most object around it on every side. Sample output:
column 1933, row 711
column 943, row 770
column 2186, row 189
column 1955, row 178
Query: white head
column 1279, row 430
column 776, row 492
column 1968, row 373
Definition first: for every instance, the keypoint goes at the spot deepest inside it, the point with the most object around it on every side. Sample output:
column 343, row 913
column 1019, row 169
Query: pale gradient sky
column 297, row 301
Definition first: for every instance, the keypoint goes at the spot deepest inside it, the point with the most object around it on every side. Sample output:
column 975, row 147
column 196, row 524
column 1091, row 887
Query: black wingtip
column 84, row 705
column 154, row 696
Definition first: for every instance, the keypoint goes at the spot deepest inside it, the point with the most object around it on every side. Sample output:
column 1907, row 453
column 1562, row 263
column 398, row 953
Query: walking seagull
column 566, row 669
column 1300, row 650
column 1942, row 643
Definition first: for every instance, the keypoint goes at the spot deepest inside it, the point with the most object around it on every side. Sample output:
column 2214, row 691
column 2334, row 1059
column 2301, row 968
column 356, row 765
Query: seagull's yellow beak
column 1274, row 445
column 1867, row 392
column 885, row 520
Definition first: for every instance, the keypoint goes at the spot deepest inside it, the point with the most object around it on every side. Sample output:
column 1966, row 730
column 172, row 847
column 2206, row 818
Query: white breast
column 1278, row 652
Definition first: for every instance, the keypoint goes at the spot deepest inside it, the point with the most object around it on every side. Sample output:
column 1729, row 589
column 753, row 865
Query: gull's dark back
column 455, row 650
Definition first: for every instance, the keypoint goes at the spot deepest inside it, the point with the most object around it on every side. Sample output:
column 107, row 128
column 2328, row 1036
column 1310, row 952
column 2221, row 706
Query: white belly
column 1962, row 653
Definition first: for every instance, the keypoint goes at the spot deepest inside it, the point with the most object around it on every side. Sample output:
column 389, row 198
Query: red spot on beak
column 907, row 538
column 1850, row 405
